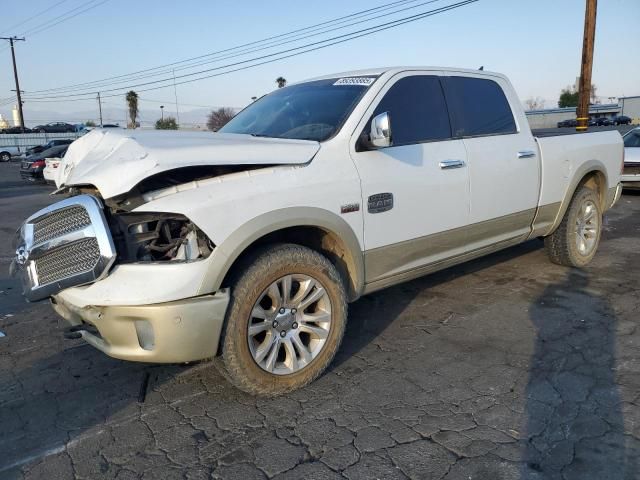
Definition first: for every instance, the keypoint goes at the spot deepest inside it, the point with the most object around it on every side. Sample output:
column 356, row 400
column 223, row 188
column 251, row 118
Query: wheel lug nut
column 293, row 310
column 294, row 325
column 275, row 324
column 281, row 310
column 283, row 334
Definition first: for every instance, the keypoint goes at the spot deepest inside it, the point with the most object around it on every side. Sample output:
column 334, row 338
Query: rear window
column 478, row 107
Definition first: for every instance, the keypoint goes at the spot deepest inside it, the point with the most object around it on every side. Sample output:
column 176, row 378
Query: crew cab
column 248, row 244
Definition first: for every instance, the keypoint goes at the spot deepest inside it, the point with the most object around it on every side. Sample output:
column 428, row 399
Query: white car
column 631, row 172
column 249, row 243
column 51, row 169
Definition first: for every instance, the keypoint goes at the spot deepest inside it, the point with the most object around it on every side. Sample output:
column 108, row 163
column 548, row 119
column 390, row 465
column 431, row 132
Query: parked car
column 55, row 127
column 6, row 153
column 631, row 170
column 251, row 241
column 621, row 120
column 16, row 130
column 52, row 143
column 600, row 122
column 572, row 122
column 51, row 170
column 32, row 167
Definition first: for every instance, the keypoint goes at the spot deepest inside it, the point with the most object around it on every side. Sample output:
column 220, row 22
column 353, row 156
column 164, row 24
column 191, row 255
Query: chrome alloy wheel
column 587, row 227
column 289, row 324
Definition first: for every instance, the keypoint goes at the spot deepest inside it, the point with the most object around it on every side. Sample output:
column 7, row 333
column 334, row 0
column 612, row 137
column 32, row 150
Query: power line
column 296, row 32
column 299, row 50
column 62, row 18
column 243, row 52
column 12, row 27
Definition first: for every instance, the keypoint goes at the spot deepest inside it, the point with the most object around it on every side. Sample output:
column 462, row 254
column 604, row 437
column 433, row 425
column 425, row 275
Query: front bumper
column 171, row 332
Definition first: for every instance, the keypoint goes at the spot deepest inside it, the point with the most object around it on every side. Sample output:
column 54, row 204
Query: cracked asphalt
column 508, row 367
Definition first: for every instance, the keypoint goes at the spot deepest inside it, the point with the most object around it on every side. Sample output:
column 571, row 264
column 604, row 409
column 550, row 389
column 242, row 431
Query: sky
column 537, row 43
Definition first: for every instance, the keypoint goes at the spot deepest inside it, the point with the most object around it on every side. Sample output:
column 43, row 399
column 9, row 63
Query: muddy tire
column 576, row 240
column 285, row 321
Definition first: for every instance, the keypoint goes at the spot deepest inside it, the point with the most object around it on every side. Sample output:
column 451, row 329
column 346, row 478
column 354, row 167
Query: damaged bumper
column 170, row 332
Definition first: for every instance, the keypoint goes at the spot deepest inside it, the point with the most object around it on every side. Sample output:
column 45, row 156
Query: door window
column 478, row 107
column 417, row 109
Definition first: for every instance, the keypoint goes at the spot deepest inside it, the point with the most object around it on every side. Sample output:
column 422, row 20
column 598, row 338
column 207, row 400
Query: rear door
column 502, row 157
column 410, row 197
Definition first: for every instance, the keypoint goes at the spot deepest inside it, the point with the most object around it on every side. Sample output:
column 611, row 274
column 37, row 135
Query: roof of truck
column 398, row 69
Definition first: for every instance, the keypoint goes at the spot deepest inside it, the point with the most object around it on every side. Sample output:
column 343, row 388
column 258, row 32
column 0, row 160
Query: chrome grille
column 74, row 258
column 64, row 245
column 60, row 223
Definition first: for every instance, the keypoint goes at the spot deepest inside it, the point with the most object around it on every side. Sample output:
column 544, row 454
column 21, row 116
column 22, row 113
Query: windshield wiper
column 261, row 135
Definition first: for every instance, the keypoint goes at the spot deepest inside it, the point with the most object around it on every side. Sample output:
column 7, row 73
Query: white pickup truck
column 247, row 245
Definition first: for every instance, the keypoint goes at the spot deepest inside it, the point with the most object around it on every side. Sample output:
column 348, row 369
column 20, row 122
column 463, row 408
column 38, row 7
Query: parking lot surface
column 508, row 367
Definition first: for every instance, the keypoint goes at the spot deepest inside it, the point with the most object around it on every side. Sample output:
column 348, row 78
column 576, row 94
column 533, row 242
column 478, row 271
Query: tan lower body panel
column 172, row 332
column 398, row 258
column 545, row 219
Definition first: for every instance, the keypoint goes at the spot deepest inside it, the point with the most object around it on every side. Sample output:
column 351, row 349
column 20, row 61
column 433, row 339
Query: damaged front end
column 157, row 237
column 79, row 240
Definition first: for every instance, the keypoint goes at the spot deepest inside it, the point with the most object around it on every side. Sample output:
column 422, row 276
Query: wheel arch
column 593, row 174
column 312, row 227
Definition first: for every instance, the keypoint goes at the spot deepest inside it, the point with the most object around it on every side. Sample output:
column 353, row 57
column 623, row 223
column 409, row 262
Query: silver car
column 631, row 172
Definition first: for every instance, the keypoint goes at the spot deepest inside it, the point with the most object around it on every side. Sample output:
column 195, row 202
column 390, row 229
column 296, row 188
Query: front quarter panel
column 237, row 209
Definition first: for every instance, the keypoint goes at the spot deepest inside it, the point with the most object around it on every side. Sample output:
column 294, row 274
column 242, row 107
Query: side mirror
column 380, row 134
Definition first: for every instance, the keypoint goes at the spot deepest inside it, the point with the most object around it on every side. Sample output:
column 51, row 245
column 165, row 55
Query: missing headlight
column 157, row 237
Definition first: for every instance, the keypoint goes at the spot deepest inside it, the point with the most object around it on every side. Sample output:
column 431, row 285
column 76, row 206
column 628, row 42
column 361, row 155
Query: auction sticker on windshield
column 366, row 81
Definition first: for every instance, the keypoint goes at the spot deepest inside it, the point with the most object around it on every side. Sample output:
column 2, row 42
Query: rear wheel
column 576, row 240
column 5, row 157
column 285, row 321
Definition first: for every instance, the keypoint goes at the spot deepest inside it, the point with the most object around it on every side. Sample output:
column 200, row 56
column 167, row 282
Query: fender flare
column 591, row 166
column 234, row 245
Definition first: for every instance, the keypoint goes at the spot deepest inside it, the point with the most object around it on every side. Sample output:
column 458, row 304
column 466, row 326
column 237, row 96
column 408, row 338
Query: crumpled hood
column 115, row 161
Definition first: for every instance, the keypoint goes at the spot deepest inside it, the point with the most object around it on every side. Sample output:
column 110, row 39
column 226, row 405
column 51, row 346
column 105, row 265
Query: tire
column 566, row 246
column 251, row 295
column 5, row 157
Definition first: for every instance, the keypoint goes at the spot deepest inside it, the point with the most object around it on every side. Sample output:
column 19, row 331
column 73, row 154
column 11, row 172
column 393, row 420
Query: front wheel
column 575, row 241
column 285, row 321
column 5, row 157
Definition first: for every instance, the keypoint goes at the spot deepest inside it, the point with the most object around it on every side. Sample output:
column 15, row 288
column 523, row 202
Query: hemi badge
column 350, row 207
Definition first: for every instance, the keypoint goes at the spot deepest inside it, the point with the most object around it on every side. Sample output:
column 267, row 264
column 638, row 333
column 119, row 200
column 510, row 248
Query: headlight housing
column 157, row 237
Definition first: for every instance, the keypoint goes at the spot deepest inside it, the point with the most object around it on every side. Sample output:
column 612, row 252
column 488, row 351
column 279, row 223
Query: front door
column 415, row 192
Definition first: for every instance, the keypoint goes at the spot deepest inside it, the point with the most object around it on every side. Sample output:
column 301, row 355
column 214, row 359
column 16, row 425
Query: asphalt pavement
column 508, row 367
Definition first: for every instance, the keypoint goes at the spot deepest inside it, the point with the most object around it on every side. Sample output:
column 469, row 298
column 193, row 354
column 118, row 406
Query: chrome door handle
column 526, row 154
column 447, row 164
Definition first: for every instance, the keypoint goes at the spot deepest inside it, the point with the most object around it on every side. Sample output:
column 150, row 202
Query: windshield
column 307, row 111
column 632, row 139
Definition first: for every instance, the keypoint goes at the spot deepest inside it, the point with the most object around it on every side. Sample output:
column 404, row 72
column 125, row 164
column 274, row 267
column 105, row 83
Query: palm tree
column 281, row 81
column 132, row 101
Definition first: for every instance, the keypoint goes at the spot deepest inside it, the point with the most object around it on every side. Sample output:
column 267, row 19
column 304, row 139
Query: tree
column 168, row 123
column 281, row 81
column 569, row 96
column 536, row 103
column 219, row 118
column 132, row 102
column 89, row 123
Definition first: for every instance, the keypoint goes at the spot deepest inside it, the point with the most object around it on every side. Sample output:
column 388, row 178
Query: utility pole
column 175, row 94
column 100, row 108
column 15, row 76
column 586, row 67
